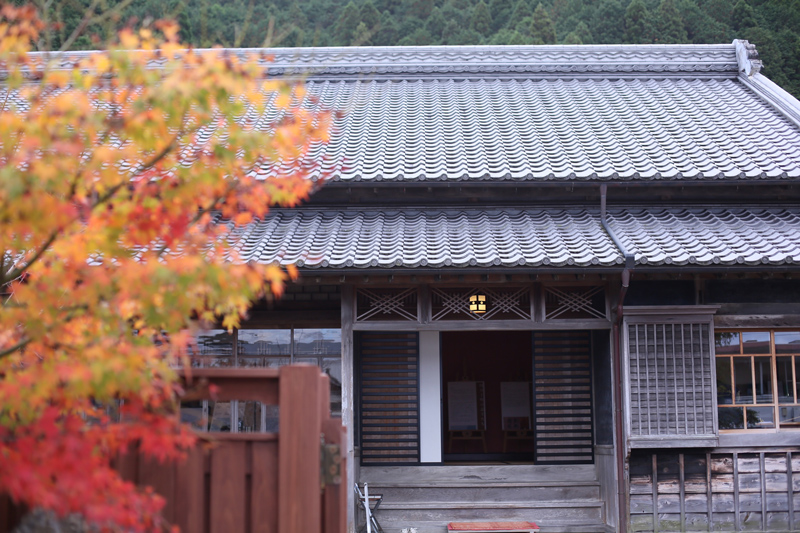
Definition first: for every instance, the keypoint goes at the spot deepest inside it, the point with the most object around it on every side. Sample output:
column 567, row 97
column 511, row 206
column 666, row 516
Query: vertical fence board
column 264, row 510
column 298, row 448
column 190, row 492
column 161, row 477
column 228, row 488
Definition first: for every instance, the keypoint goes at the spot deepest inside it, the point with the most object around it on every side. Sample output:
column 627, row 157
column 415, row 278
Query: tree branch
column 8, row 351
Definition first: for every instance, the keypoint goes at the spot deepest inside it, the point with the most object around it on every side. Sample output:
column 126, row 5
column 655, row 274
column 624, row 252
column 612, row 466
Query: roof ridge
column 626, row 59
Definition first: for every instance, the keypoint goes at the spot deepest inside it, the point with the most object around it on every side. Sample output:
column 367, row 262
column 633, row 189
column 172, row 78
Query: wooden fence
column 289, row 481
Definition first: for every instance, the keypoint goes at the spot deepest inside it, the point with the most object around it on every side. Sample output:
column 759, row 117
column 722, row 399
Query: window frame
column 773, row 356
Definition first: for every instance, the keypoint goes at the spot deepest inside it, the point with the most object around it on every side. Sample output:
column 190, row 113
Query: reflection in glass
column 743, row 378
column 797, row 377
column 264, row 342
column 249, row 414
column 787, row 342
column 219, row 416
column 789, row 415
column 192, row 414
column 784, row 371
column 755, row 342
column 333, row 367
column 724, row 389
column 760, row 417
column 275, row 362
column 271, row 416
column 726, row 342
column 763, row 367
column 212, row 342
column 731, row 418
column 317, row 341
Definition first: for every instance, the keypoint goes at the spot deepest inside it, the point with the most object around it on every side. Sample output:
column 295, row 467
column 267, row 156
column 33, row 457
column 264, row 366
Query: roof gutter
column 621, row 447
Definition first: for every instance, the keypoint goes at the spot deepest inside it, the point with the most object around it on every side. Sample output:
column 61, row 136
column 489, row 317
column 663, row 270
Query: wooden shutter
column 670, row 377
column 562, row 397
column 388, row 389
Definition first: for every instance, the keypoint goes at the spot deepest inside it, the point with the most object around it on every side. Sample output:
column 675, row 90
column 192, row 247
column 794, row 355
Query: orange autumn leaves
column 120, row 174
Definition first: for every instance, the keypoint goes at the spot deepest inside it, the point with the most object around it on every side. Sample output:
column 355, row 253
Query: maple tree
column 116, row 168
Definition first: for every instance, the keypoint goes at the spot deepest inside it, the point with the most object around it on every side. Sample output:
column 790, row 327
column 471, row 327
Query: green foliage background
column 773, row 25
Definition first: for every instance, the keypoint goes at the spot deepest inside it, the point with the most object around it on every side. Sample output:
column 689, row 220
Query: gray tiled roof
column 519, row 237
column 545, row 130
column 543, row 113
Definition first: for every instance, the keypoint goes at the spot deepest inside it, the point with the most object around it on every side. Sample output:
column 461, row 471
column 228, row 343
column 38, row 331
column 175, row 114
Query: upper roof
column 542, row 113
column 550, row 113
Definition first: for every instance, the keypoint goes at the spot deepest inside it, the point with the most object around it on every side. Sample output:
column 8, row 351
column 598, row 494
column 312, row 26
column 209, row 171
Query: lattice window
column 386, row 304
column 501, row 303
column 670, row 375
column 574, row 302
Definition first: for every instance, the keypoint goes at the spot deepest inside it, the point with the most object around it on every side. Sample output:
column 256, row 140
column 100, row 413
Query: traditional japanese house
column 557, row 284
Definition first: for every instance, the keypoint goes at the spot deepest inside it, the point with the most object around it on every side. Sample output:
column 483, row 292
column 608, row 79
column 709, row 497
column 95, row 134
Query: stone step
column 486, row 492
column 541, row 512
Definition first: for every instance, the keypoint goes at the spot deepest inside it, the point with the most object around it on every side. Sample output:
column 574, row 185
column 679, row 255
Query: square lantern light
column 477, row 304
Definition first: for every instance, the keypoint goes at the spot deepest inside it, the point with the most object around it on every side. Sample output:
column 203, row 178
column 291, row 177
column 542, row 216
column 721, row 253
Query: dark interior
column 491, row 357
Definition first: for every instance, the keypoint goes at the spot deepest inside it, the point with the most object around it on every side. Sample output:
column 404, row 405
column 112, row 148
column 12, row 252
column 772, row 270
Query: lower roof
column 507, row 237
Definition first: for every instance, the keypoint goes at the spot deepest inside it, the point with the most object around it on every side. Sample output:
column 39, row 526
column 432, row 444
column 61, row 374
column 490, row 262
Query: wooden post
column 348, row 395
column 335, row 496
column 299, row 450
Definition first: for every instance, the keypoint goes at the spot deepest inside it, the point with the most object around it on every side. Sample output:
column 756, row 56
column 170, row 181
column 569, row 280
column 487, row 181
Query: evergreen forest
column 773, row 25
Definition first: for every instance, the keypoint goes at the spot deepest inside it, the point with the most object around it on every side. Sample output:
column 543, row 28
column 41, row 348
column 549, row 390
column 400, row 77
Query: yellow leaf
column 282, row 101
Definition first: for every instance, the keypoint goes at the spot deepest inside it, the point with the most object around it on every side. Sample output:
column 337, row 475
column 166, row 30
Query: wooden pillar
column 348, row 396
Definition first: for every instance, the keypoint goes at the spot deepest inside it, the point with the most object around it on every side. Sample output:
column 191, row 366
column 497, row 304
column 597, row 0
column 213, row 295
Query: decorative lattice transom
column 574, row 302
column 386, row 304
column 501, row 303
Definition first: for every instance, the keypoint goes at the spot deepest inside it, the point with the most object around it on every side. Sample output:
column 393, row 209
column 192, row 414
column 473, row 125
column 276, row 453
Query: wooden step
column 423, row 474
column 541, row 512
column 441, row 527
column 487, row 492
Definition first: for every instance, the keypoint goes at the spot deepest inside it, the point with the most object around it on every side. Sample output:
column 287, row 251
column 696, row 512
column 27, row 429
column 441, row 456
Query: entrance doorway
column 487, row 379
column 517, row 396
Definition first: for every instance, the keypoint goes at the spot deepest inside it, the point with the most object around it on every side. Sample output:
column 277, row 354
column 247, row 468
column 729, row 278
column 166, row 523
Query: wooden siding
column 562, row 397
column 715, row 491
column 388, row 388
column 670, row 382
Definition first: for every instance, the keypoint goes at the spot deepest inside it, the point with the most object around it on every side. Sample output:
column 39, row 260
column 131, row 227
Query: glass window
column 261, row 348
column 763, row 379
column 743, row 377
column 755, row 342
column 254, row 342
column 760, row 417
column 790, row 415
column 726, row 342
column 731, row 418
column 784, row 370
column 724, row 389
column 765, row 384
column 787, row 342
column 318, row 342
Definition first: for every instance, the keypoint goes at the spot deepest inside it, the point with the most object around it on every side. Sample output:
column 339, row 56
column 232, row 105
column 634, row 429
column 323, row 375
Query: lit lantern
column 477, row 304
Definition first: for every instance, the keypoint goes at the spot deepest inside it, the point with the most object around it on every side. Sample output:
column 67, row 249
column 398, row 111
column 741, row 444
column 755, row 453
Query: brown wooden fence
column 290, row 481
